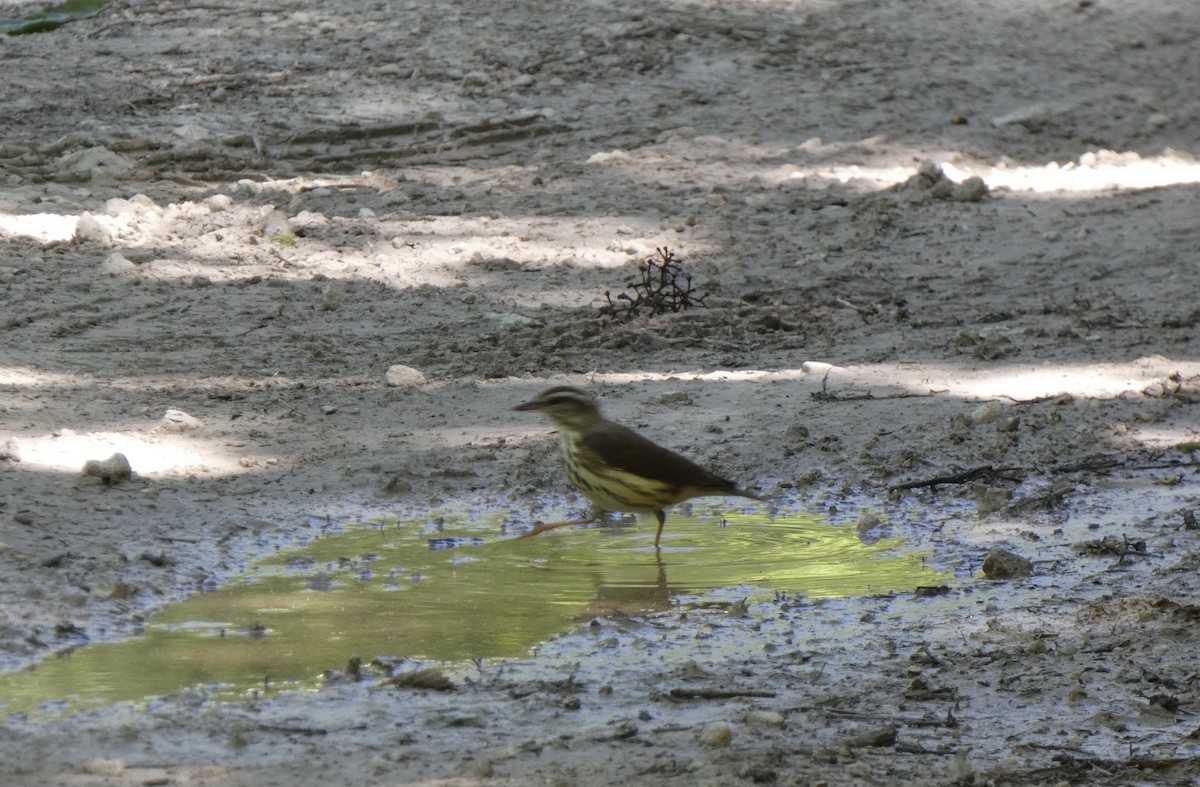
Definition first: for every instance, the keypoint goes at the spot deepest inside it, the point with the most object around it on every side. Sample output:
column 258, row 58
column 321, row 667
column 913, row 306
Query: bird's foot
column 543, row 528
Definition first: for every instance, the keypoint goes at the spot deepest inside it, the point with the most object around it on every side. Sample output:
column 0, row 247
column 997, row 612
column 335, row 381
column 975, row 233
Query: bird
column 616, row 468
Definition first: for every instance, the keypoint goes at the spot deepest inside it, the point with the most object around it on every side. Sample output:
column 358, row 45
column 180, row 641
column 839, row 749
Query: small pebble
column 117, row 264
column 113, row 470
column 1031, row 117
column 218, row 203
column 104, row 767
column 1002, row 564
column 991, row 498
column 884, row 736
column 88, row 229
column 717, row 733
column 476, row 79
column 868, row 522
column 765, row 718
column 973, row 189
column 91, row 162
column 404, row 377
column 332, row 299
column 480, row 769
column 178, row 421
column 11, row 450
column 427, row 678
column 275, row 224
column 987, row 412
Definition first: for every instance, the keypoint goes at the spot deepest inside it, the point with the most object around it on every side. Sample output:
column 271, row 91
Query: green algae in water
column 52, row 18
column 449, row 594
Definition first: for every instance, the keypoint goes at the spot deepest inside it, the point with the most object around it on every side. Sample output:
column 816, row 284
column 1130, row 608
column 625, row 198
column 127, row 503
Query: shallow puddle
column 446, row 592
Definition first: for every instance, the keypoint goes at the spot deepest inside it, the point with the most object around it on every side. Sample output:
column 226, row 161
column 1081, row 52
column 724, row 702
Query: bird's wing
column 626, row 450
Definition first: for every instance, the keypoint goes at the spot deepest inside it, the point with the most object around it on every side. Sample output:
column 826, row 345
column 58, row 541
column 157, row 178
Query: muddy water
column 435, row 590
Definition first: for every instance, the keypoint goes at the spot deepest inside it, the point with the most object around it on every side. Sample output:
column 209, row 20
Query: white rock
column 192, row 132
column 766, row 718
column 276, row 224
column 331, row 301
column 137, row 206
column 476, row 79
column 218, row 203
column 104, row 767
column 116, row 264
column 178, row 421
column 404, row 377
column 310, row 218
column 88, row 229
column 1031, row 116
column 610, row 157
column 112, row 470
column 94, row 161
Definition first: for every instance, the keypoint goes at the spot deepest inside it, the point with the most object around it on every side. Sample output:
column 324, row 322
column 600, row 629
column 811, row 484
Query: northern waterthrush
column 616, row 468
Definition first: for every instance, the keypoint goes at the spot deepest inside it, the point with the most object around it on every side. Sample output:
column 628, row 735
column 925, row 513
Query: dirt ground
column 249, row 213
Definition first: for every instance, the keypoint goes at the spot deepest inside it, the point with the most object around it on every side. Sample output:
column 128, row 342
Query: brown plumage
column 616, row 468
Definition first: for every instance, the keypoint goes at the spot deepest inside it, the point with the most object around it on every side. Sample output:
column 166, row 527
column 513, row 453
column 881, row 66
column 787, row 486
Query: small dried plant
column 664, row 287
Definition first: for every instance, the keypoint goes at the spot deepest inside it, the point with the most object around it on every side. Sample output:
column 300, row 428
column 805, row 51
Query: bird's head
column 569, row 408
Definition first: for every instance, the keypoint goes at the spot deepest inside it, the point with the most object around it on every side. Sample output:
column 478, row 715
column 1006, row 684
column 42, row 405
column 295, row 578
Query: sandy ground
column 250, row 213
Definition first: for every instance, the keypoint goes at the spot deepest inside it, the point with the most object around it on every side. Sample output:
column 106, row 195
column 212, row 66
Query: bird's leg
column 662, row 520
column 552, row 525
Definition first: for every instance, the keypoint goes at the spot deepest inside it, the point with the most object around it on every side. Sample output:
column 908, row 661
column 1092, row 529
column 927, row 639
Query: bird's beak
column 534, row 405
